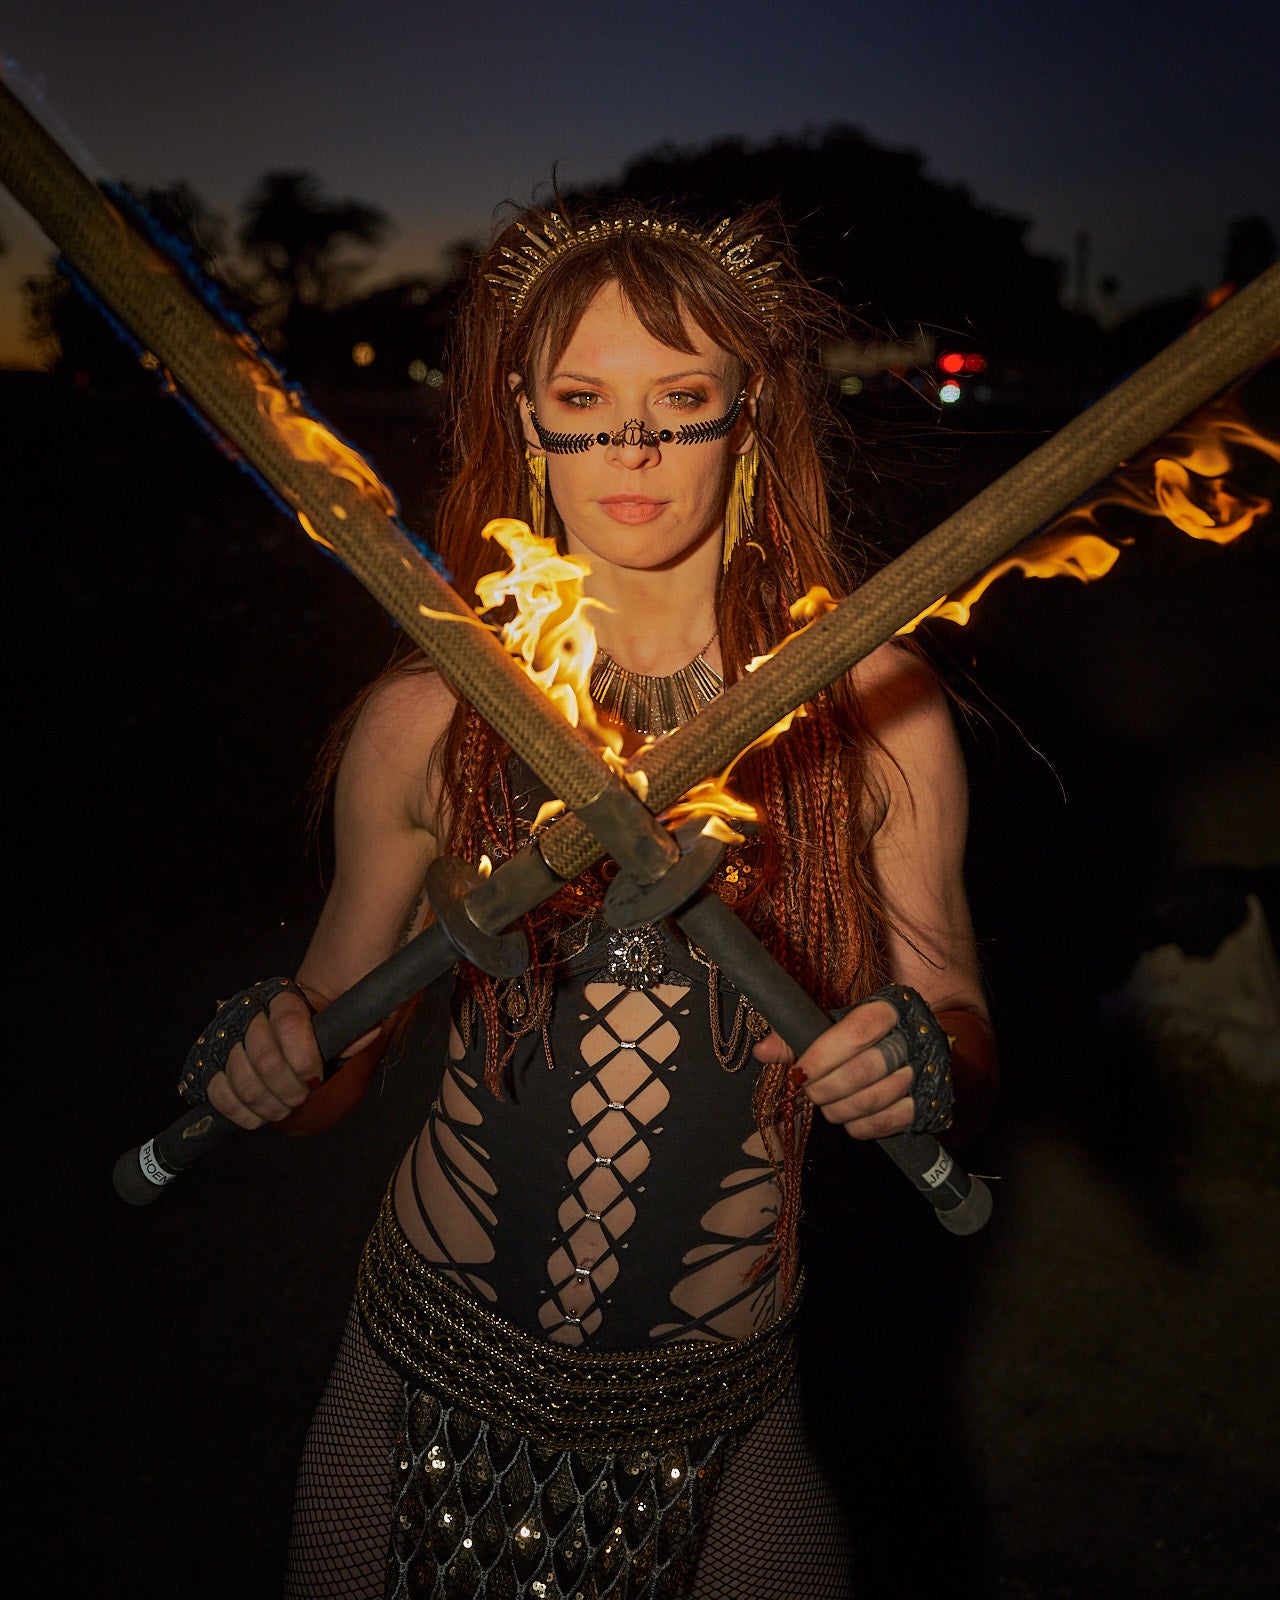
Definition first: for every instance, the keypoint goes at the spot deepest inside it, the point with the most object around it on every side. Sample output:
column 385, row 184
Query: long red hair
column 811, row 903
column 809, row 786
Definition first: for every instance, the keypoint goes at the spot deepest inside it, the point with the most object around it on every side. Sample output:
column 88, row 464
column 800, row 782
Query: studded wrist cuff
column 918, row 1041
column 208, row 1055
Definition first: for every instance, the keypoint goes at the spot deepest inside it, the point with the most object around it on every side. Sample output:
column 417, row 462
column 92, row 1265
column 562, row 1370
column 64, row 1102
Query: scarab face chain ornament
column 634, row 432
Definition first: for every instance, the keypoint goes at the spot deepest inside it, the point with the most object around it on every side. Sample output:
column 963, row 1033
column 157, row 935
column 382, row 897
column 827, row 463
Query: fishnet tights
column 775, row 1527
column 342, row 1506
column 776, row 1531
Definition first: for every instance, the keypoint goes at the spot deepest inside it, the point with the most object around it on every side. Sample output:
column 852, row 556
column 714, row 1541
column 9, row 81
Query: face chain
column 634, row 432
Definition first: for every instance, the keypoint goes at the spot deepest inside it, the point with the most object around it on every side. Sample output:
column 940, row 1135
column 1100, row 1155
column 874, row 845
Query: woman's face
column 642, row 507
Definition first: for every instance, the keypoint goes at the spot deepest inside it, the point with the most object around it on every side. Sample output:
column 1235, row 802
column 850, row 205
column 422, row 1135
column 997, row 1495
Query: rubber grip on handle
column 143, row 1174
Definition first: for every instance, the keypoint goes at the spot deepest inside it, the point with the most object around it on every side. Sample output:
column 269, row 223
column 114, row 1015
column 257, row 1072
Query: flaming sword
column 223, row 378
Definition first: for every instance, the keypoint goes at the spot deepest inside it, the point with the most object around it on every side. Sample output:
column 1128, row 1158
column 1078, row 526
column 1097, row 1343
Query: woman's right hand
column 273, row 1070
column 385, row 838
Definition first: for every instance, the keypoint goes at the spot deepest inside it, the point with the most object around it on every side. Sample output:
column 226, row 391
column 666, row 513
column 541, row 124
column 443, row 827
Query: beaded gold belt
column 558, row 1396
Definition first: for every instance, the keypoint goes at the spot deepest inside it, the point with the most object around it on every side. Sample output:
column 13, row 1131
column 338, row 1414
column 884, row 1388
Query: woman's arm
column 386, row 829
column 917, row 864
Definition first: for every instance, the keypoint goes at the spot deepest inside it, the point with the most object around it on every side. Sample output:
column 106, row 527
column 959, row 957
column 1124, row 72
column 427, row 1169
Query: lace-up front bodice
column 619, row 1193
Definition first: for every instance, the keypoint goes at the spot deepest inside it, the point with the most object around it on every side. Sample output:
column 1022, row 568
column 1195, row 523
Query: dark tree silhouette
column 1249, row 249
column 181, row 214
column 460, row 257
column 300, row 242
column 73, row 333
column 883, row 236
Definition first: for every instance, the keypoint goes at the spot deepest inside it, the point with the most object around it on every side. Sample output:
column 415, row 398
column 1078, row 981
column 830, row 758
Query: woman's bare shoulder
column 392, row 742
column 405, row 707
column 893, row 680
column 905, row 711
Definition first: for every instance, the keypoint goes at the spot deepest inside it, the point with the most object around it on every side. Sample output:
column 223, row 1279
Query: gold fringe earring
column 537, row 466
column 739, row 513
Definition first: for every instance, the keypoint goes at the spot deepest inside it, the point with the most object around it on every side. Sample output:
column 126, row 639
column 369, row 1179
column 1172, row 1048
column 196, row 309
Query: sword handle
column 143, row 1174
column 962, row 1203
column 472, row 930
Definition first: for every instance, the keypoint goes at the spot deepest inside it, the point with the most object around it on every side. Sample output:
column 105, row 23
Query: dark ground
column 1078, row 1402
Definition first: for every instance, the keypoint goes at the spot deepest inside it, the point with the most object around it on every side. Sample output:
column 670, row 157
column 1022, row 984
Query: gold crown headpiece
column 514, row 279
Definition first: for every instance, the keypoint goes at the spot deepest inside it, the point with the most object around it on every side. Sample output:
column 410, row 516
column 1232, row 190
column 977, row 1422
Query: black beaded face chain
column 635, row 432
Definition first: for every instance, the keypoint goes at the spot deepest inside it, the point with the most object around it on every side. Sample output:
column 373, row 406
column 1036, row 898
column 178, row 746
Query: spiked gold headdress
column 514, row 279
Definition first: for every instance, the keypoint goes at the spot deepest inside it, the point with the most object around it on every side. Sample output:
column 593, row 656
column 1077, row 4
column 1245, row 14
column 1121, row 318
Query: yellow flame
column 548, row 811
column 636, row 779
column 1048, row 555
column 717, row 828
column 484, row 867
column 311, row 531
column 1185, row 484
column 309, row 440
column 811, row 605
column 549, row 632
column 712, row 798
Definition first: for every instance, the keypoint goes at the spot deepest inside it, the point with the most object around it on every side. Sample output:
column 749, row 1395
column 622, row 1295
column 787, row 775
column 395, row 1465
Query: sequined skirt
column 525, row 1468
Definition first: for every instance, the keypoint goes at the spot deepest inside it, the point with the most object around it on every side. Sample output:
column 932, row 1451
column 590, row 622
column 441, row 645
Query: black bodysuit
column 619, row 1192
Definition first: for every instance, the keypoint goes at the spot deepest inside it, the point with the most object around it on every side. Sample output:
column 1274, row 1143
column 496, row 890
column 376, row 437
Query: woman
column 599, row 1216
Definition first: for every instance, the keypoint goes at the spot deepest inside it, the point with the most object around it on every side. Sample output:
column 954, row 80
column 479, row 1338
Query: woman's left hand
column 916, row 855
column 847, row 1074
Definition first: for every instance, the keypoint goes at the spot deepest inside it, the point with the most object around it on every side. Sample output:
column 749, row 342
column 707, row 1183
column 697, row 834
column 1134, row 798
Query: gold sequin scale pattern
column 480, row 1510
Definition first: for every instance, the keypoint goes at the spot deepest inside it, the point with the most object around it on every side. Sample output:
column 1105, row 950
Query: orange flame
column 550, row 635
column 306, row 439
column 1185, row 484
column 712, row 798
column 549, row 632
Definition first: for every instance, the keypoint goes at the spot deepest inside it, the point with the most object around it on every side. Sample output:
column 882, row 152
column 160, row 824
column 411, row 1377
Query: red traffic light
column 954, row 361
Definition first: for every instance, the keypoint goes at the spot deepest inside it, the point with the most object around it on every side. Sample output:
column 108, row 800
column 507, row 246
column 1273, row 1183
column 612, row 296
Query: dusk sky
column 1149, row 125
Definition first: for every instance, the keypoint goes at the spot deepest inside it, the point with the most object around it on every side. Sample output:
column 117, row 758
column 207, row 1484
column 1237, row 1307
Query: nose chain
column 634, row 432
